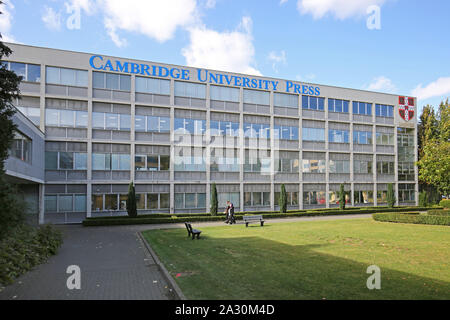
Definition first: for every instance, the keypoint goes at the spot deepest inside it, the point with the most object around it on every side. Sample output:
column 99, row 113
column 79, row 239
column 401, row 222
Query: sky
column 392, row 46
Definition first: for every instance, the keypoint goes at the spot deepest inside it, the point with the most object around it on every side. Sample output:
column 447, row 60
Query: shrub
column 390, row 196
column 445, row 203
column 25, row 247
column 131, row 201
column 214, row 203
column 341, row 197
column 412, row 218
column 439, row 212
column 282, row 200
column 423, row 199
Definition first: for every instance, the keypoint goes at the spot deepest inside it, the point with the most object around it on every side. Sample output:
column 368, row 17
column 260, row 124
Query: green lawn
column 308, row 260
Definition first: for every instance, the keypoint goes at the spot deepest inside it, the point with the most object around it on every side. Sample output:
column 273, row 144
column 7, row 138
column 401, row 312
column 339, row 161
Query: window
column 288, row 165
column 339, row 166
column 292, row 198
column 314, row 198
column 224, row 164
column 338, row 136
column 314, row 166
column 256, row 97
column 406, row 171
column 155, row 86
column 189, row 126
column 406, row 192
column 362, row 108
column 190, row 90
column 112, row 81
column 65, row 160
column 255, row 162
column 29, row 72
column 313, row 103
column 363, row 196
column 385, row 138
column 111, row 202
column 385, row 167
column 224, row 93
column 151, row 124
column 285, row 132
column 382, row 110
column 253, row 130
column 120, row 162
column 190, row 200
column 111, row 121
column 21, row 147
column 32, row 113
column 313, row 134
column 68, row 77
column 285, row 100
column 362, row 166
column 152, row 201
column 336, row 105
column 256, row 199
column 362, row 137
column 334, row 196
column 51, row 203
column 224, row 128
column 66, row 118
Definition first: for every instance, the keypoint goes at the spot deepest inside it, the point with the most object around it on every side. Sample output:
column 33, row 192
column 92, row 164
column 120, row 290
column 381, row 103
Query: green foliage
column 341, row 197
column 181, row 218
column 423, row 199
column 12, row 207
column 445, row 203
column 26, row 247
column 282, row 200
column 131, row 201
column 434, row 156
column 390, row 196
column 438, row 212
column 413, row 218
column 214, row 202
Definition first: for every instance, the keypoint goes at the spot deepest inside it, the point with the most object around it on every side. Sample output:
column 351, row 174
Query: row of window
column 28, row 72
column 65, row 203
column 55, row 160
column 152, row 162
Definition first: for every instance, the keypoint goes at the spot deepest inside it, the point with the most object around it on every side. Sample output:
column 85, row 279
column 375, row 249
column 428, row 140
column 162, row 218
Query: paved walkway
column 114, row 264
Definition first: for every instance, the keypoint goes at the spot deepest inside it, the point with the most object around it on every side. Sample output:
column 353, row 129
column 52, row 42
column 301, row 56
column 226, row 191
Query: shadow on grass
column 258, row 268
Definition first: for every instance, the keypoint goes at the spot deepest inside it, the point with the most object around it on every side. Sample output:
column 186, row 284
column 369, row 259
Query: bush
column 25, row 247
column 439, row 212
column 390, row 196
column 423, row 199
column 412, row 218
column 445, row 203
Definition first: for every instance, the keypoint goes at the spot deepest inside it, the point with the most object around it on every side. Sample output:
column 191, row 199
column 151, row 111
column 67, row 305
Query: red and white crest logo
column 406, row 108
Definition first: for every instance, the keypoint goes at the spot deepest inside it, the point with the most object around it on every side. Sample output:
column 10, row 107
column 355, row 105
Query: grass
column 308, row 260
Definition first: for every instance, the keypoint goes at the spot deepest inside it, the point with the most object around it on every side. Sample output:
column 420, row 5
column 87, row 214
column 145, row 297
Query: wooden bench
column 190, row 231
column 251, row 219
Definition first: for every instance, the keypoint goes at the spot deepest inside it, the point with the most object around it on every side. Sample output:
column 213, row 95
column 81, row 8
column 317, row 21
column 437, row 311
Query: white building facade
column 175, row 130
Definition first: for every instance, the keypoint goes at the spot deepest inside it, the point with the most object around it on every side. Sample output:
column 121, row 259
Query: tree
column 282, row 200
column 434, row 162
column 131, row 201
column 427, row 128
column 11, row 207
column 214, row 202
column 341, row 197
column 390, row 195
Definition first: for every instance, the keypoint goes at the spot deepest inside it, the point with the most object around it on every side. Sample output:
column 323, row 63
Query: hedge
column 412, row 218
column 168, row 218
column 445, row 203
column 438, row 212
column 25, row 247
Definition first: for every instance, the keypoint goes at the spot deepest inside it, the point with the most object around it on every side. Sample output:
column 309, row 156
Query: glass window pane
column 152, row 201
column 125, row 83
column 67, row 118
column 98, row 120
column 80, row 203
column 112, row 81
column 68, row 77
column 190, row 200
column 111, row 202
column 164, row 124
column 179, row 200
column 52, row 75
column 80, row 161
column 152, row 124
column 34, row 73
column 164, row 200
column 81, row 119
column 125, row 122
column 65, row 203
column 152, row 163
column 164, row 162
column 97, row 202
column 81, row 78
column 139, row 163
column 98, row 161
column 66, row 160
column 124, row 162
column 112, row 121
column 51, row 160
column 98, row 80
column 51, row 117
column 257, row 201
column 50, row 203
column 139, row 123
column 201, row 200
column 140, row 200
column 19, row 69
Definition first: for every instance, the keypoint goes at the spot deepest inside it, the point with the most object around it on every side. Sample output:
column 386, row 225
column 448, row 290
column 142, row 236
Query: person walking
column 230, row 209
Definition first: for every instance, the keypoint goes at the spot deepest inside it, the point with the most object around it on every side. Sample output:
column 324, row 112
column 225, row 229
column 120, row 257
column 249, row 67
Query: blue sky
column 319, row 41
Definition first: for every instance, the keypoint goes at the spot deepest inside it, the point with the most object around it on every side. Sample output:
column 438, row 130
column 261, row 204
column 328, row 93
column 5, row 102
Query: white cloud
column 283, row 2
column 381, row 84
column 440, row 87
column 341, row 9
column 210, row 4
column 51, row 19
column 277, row 59
column 230, row 50
column 155, row 19
column 111, row 30
column 6, row 18
column 87, row 6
